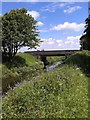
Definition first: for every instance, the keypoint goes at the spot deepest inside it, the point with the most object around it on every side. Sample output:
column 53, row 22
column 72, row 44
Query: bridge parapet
column 52, row 53
column 41, row 55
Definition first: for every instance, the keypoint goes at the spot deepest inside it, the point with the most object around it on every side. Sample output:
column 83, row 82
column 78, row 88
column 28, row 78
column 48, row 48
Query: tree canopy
column 85, row 38
column 18, row 29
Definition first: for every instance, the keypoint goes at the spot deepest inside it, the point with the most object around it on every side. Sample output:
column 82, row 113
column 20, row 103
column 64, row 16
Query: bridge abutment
column 44, row 60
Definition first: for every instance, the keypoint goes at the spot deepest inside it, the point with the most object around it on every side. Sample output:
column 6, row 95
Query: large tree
column 18, row 29
column 0, row 38
column 85, row 38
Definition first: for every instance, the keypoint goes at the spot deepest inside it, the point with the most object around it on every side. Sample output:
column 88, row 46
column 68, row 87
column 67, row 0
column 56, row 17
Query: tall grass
column 55, row 59
column 22, row 68
column 60, row 93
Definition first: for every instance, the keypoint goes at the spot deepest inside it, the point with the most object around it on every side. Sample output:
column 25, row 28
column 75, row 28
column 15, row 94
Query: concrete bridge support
column 44, row 60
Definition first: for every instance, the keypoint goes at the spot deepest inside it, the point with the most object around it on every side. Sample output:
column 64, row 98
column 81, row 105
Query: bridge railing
column 52, row 53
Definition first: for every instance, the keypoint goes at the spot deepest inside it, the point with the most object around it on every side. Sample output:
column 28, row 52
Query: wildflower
column 81, row 74
column 77, row 68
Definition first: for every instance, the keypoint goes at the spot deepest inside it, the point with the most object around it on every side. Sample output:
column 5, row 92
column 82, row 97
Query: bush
column 55, row 59
column 24, row 67
column 53, row 95
column 9, row 80
column 82, row 60
column 60, row 93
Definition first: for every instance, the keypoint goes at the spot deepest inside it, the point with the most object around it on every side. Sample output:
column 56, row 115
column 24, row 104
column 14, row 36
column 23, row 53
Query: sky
column 60, row 24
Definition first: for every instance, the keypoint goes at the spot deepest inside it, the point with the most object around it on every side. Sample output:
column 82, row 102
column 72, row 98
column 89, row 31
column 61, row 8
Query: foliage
column 85, row 39
column 18, row 29
column 0, row 30
column 55, row 59
column 82, row 60
column 23, row 67
column 60, row 93
column 0, row 107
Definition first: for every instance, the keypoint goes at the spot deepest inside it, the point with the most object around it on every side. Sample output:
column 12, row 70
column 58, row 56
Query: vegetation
column 55, row 59
column 0, row 107
column 23, row 67
column 60, row 93
column 82, row 60
column 18, row 29
column 85, row 39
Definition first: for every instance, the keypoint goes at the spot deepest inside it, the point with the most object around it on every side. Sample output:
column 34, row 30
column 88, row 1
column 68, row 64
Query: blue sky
column 60, row 23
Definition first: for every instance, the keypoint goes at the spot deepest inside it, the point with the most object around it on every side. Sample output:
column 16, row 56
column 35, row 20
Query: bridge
column 43, row 54
column 52, row 52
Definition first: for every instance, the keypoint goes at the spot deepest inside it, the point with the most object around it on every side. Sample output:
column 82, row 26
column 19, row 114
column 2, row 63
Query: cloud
column 70, row 38
column 53, row 6
column 40, row 23
column 69, row 26
column 43, row 30
column 46, row 1
column 58, row 5
column 72, row 9
column 24, row 0
column 49, row 44
column 70, row 42
column 34, row 14
column 32, row 0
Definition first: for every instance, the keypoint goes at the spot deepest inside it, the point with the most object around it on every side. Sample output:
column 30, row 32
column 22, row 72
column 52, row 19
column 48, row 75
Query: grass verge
column 60, row 93
column 23, row 67
column 55, row 59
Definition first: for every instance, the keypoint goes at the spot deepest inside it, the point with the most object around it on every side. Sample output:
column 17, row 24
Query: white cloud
column 72, row 9
column 43, row 30
column 34, row 14
column 58, row 41
column 67, row 6
column 72, row 42
column 69, row 43
column 40, row 23
column 49, row 43
column 47, row 0
column 69, row 38
column 32, row 0
column 69, row 26
column 53, row 6
column 27, row 0
column 73, row 0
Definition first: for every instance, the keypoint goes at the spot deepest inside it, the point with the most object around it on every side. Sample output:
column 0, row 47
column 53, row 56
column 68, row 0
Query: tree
column 18, row 29
column 0, row 38
column 85, row 39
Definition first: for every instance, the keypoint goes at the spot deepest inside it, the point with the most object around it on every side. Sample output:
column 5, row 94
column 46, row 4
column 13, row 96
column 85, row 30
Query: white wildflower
column 77, row 68
column 81, row 74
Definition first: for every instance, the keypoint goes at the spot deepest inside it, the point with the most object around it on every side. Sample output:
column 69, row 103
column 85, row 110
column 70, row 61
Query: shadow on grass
column 16, row 62
column 82, row 61
column 13, row 74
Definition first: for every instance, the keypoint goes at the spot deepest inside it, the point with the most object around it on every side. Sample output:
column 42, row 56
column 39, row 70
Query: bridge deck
column 52, row 53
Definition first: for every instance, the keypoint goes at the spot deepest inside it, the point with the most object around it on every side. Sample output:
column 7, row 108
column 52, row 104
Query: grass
column 23, row 67
column 55, row 59
column 23, row 59
column 60, row 93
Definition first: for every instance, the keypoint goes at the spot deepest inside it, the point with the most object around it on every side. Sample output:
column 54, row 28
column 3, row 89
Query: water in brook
column 48, row 68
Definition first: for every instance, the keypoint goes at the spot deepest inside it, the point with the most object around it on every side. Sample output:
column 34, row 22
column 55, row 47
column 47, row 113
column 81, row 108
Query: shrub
column 24, row 67
column 62, row 93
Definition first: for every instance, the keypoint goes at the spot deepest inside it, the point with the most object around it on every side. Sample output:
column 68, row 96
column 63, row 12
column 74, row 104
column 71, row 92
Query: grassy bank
column 23, row 67
column 60, row 93
column 55, row 59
